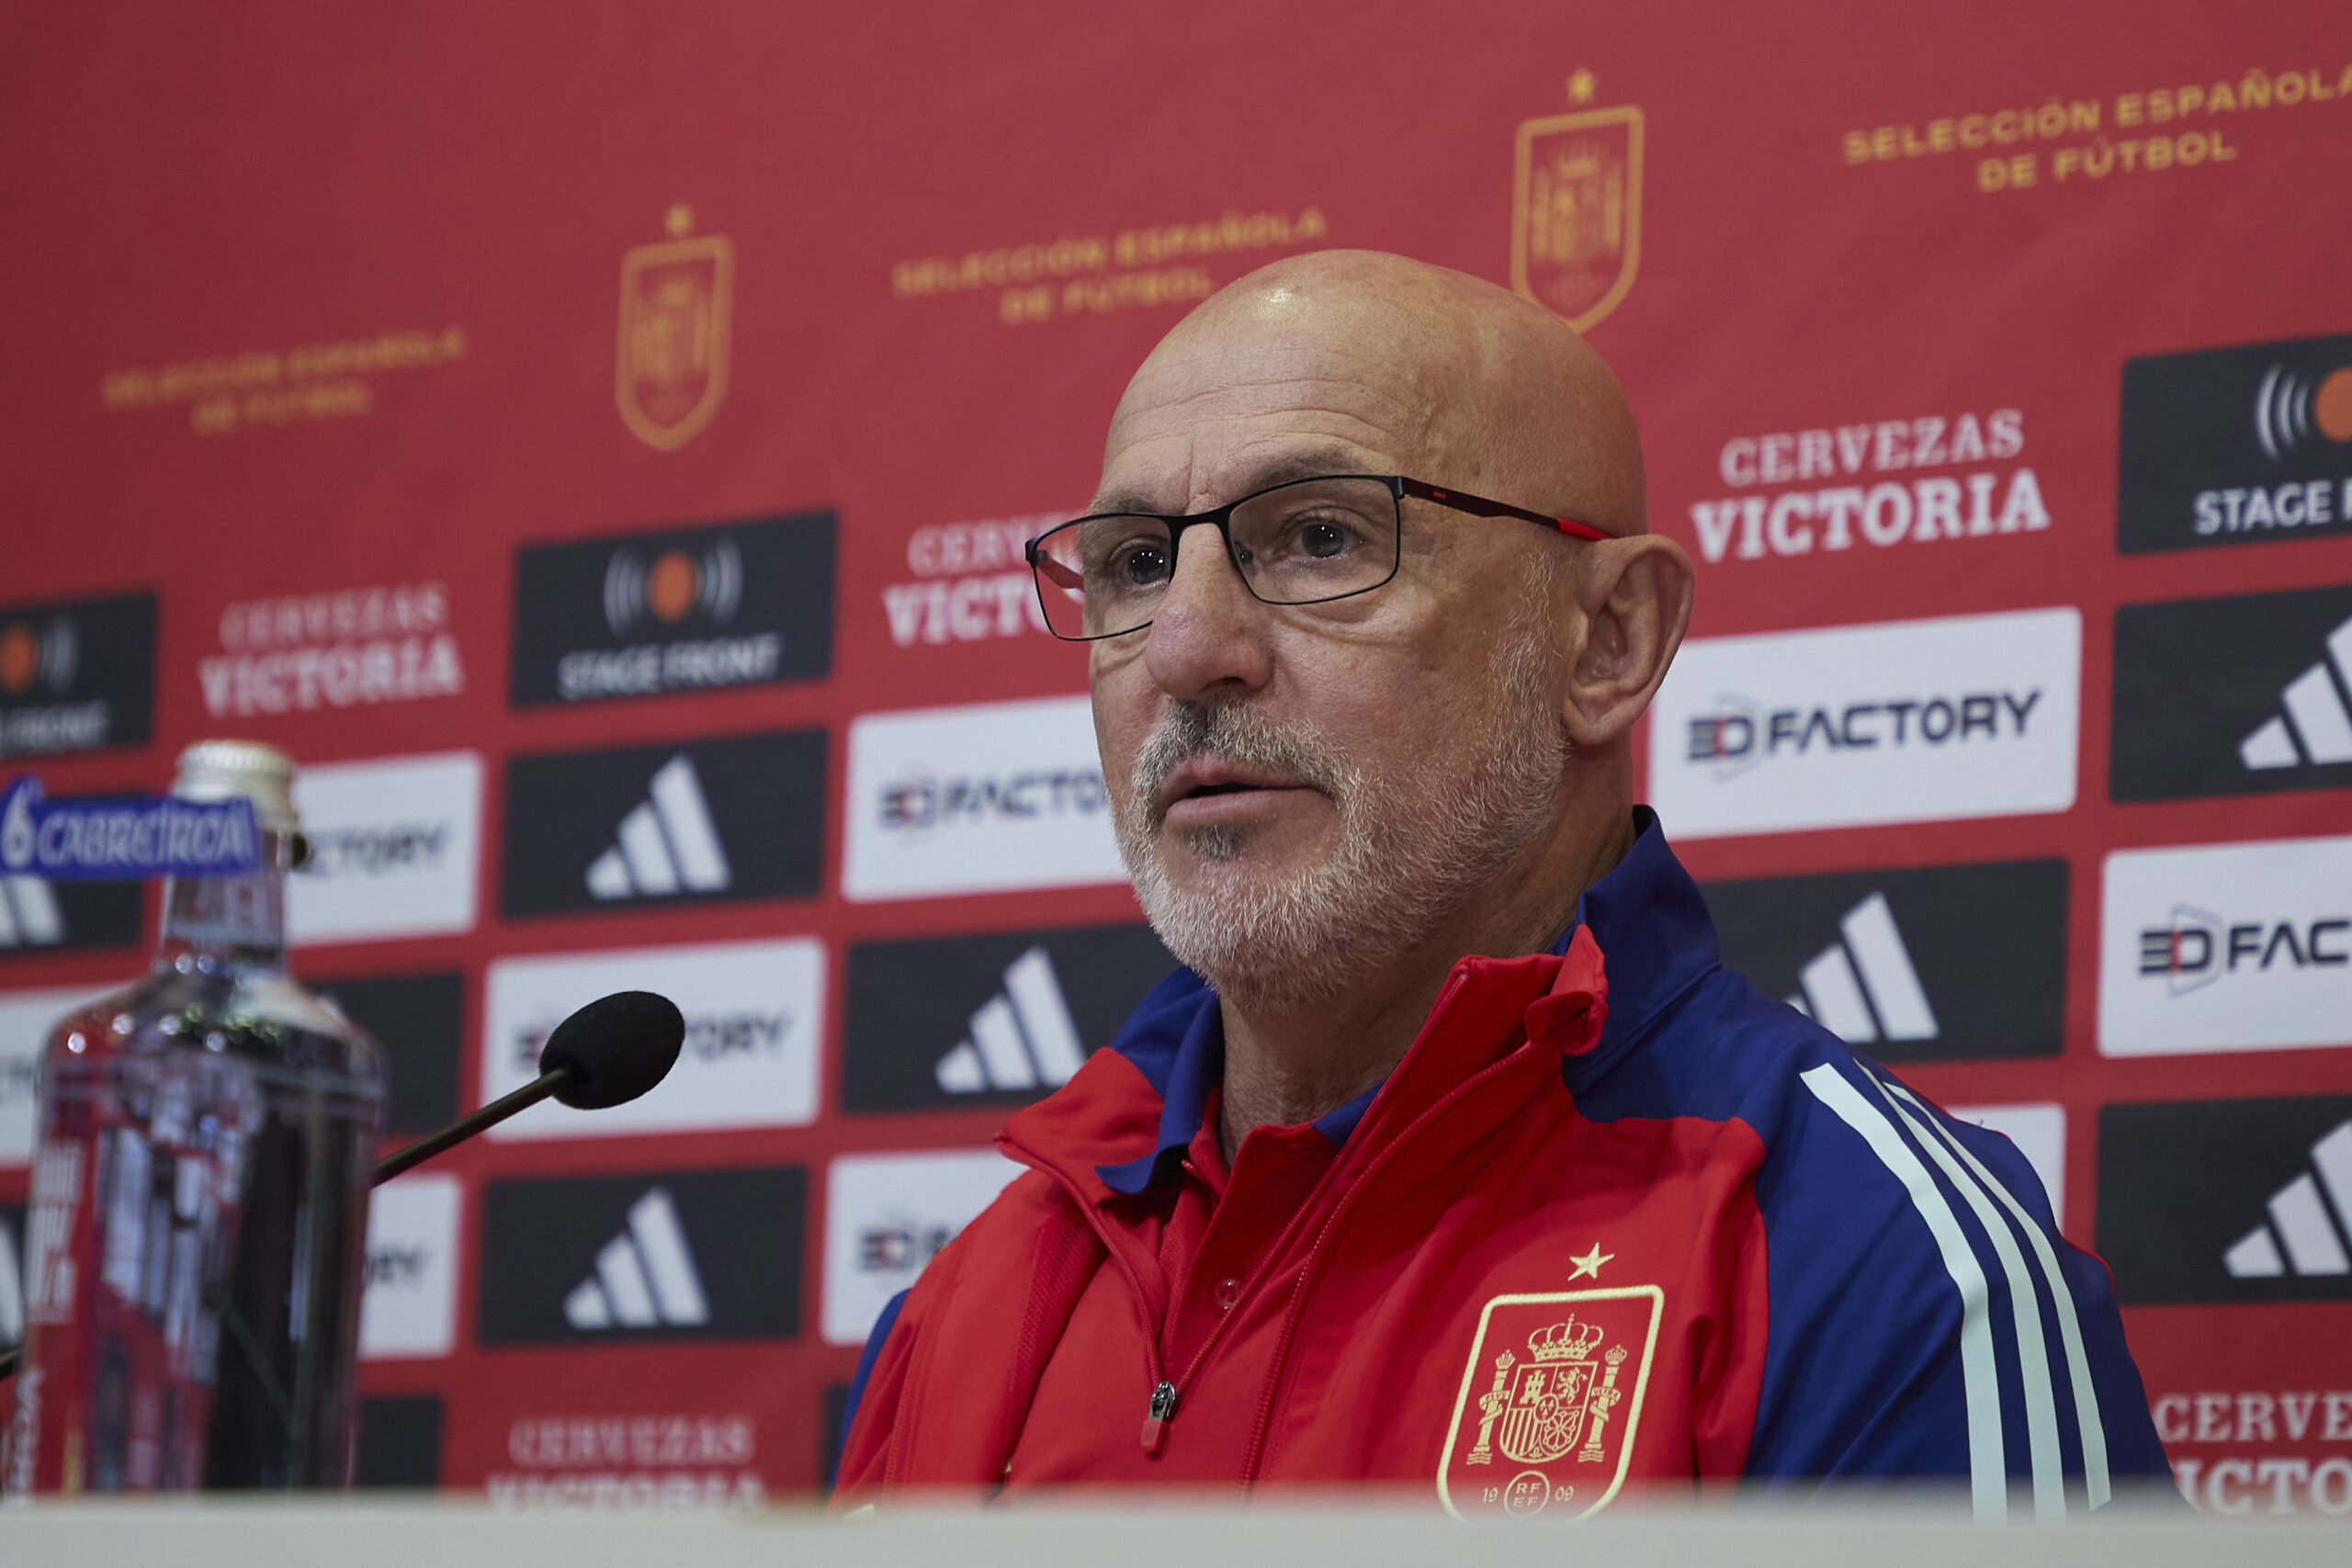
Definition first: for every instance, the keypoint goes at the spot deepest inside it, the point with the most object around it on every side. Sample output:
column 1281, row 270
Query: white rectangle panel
column 2226, row 947
column 26, row 1018
column 887, row 1216
column 989, row 798
column 755, row 1015
column 396, row 849
column 1843, row 726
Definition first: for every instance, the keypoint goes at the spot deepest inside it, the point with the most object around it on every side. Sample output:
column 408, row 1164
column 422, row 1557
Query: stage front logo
column 677, row 301
column 1576, row 229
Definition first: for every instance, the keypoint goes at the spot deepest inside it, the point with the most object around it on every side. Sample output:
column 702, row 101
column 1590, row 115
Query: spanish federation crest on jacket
column 1617, row 1223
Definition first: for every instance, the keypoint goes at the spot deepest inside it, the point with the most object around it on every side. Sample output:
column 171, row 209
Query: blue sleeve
column 882, row 1326
column 1927, row 1319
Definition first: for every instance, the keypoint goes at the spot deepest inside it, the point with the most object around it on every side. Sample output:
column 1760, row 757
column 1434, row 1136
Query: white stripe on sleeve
column 1987, row 1469
column 2025, row 1305
column 2087, row 1421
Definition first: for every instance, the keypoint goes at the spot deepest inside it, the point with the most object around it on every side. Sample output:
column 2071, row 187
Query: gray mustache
column 1239, row 735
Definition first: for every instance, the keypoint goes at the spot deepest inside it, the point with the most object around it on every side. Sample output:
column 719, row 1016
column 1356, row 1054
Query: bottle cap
column 223, row 770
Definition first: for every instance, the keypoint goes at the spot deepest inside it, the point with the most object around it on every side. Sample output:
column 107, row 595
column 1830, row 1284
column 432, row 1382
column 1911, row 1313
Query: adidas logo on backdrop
column 649, row 1256
column 39, row 915
column 2227, row 1201
column 1863, row 986
column 1931, row 963
column 2313, row 1241
column 2317, row 725
column 1021, row 1037
column 12, row 1278
column 645, row 1276
column 666, row 842
column 728, row 817
column 997, row 1018
column 29, row 913
column 2237, row 695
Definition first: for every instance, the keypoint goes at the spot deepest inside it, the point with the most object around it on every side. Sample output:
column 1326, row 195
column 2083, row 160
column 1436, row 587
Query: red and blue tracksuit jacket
column 1616, row 1222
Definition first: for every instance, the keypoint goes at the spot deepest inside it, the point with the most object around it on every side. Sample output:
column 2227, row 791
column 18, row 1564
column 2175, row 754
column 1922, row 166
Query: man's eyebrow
column 1307, row 464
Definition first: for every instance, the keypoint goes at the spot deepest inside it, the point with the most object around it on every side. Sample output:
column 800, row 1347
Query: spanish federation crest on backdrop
column 1551, row 1400
column 1575, row 225
column 677, row 301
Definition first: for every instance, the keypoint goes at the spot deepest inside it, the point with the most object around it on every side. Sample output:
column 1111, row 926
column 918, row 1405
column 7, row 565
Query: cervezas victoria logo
column 1575, row 238
column 1550, row 1402
column 677, row 297
column 357, row 647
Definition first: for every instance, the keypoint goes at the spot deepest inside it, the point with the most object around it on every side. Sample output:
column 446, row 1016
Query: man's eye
column 1139, row 566
column 1322, row 541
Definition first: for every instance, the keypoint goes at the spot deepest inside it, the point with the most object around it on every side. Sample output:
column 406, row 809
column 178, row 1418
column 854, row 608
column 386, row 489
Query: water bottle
column 196, row 1236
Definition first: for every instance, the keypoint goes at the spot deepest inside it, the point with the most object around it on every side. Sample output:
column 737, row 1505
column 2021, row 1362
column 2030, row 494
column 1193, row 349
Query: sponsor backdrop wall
column 598, row 442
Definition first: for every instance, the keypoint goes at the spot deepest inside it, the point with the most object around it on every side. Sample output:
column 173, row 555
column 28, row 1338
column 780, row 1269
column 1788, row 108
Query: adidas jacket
column 1616, row 1221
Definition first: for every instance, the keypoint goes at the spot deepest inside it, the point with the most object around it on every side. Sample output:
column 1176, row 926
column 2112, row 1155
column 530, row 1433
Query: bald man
column 1454, row 1159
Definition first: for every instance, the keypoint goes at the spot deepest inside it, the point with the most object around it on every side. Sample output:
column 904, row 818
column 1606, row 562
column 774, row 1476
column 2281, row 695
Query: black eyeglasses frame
column 1043, row 567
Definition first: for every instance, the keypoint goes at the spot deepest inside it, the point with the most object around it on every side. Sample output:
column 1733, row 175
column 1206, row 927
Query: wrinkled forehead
column 1236, row 405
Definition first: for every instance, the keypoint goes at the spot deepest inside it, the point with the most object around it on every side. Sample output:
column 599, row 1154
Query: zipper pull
column 1155, row 1425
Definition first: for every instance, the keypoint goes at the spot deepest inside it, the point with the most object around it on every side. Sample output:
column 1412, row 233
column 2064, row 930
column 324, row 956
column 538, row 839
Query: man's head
column 1306, row 794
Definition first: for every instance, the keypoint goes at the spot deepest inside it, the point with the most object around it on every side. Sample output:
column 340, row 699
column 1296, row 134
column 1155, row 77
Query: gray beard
column 1413, row 851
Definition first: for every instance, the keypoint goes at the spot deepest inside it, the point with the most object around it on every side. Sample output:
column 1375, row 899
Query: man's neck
column 1284, row 1066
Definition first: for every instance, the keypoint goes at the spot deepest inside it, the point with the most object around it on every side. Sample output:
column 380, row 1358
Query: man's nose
column 1209, row 631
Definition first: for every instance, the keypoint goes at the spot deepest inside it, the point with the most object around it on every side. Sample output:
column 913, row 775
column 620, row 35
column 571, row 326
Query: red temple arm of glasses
column 1480, row 507
column 1055, row 572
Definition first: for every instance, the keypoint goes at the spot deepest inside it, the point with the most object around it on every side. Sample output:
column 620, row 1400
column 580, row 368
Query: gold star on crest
column 1590, row 1263
column 1580, row 87
column 679, row 222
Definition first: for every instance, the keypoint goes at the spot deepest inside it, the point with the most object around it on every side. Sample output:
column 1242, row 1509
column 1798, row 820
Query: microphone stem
column 490, row 1116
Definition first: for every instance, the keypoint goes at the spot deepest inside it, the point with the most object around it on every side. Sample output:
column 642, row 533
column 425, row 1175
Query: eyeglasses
column 1306, row 542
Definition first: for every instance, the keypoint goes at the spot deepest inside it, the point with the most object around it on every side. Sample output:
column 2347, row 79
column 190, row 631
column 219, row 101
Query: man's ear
column 1634, row 602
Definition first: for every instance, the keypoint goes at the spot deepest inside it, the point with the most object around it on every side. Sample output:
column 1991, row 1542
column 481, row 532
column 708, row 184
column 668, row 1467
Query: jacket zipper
column 1161, row 1408
column 1339, row 1214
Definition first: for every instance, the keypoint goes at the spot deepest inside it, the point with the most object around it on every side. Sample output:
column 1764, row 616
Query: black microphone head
column 616, row 1048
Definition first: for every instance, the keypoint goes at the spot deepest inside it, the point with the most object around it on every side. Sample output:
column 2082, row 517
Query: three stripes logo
column 2233, row 696
column 2227, row 1201
column 38, row 916
column 2317, row 725
column 1862, row 987
column 654, row 1255
column 1021, row 1038
column 667, row 842
column 645, row 1277
column 1929, row 963
column 2305, row 1233
column 735, row 816
column 29, row 913
column 1000, row 1017
column 12, row 1277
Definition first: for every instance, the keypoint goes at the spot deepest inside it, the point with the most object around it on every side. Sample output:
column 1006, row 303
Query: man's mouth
column 1205, row 789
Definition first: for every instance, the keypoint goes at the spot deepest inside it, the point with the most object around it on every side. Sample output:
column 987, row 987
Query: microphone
column 607, row 1054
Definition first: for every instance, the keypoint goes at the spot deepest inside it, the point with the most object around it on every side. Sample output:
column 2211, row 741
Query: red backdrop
column 304, row 303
